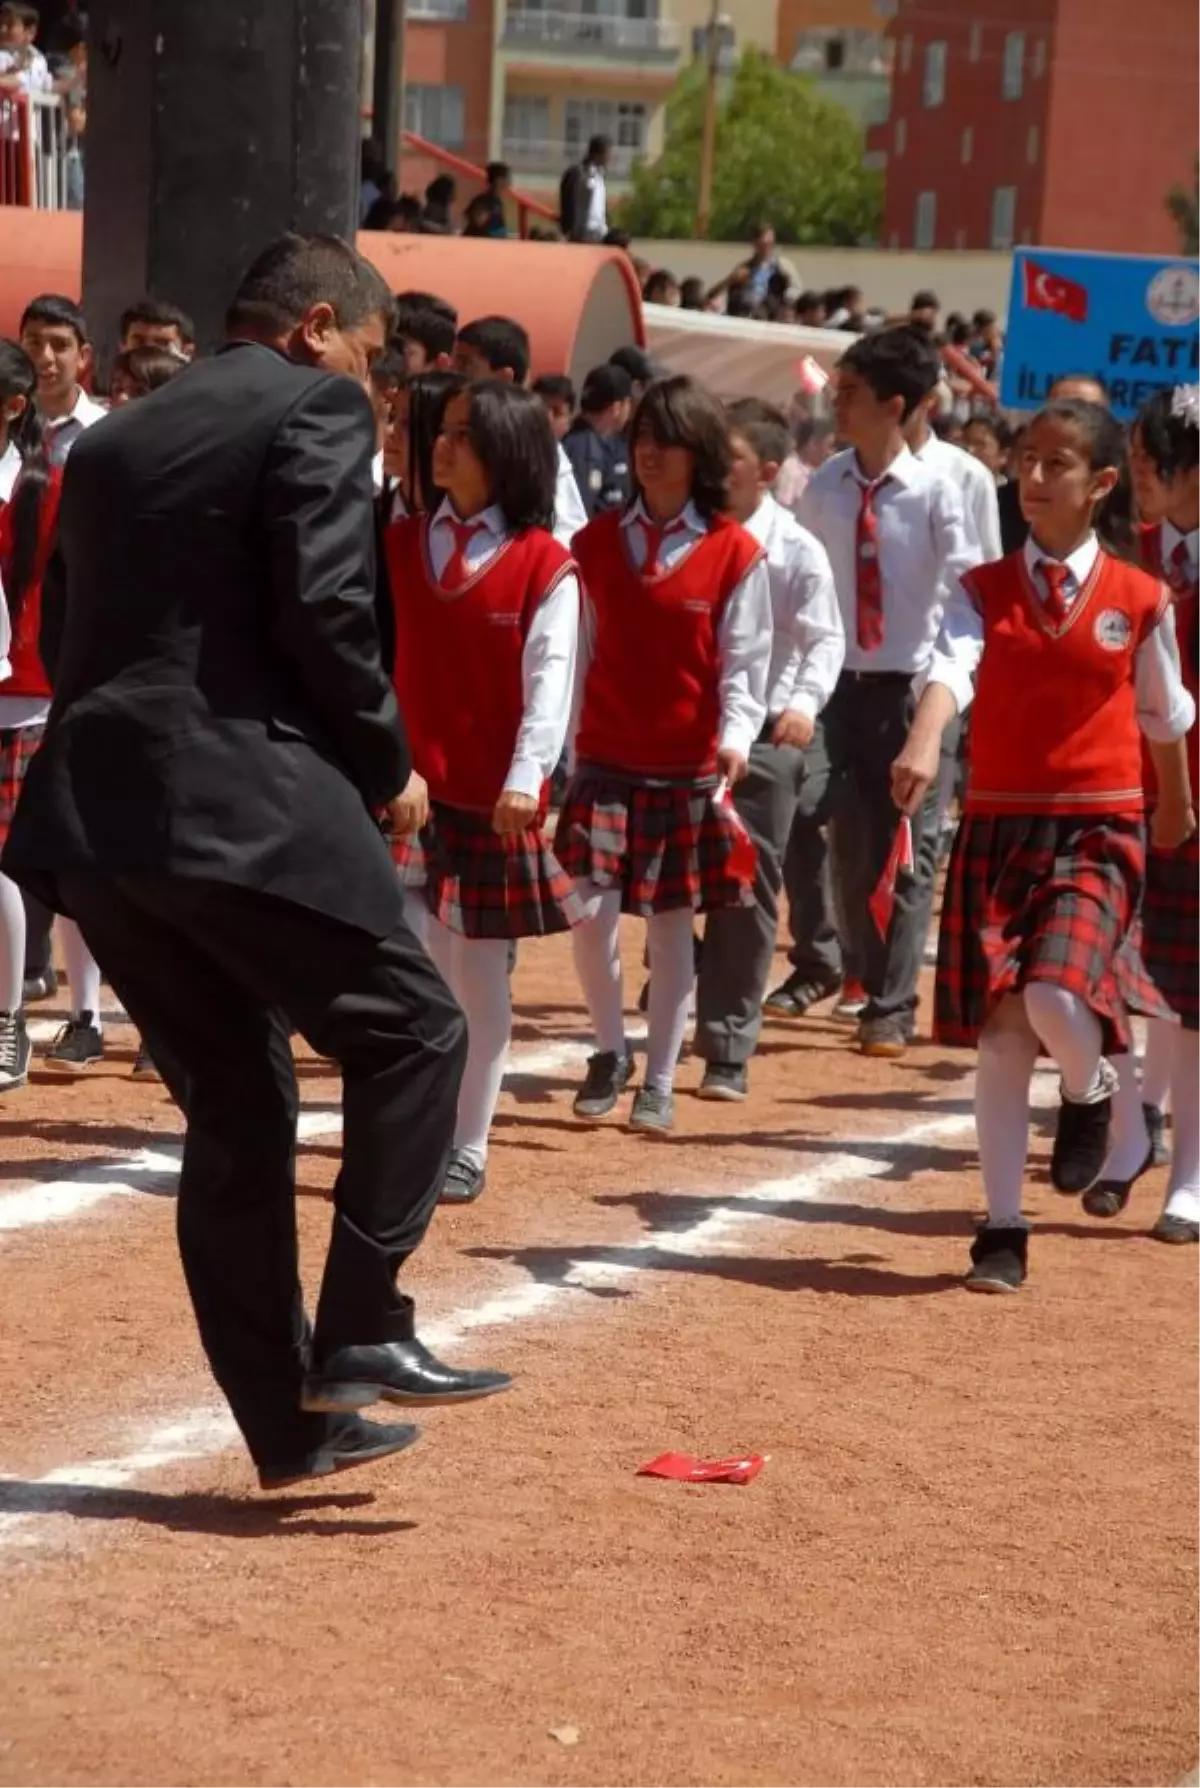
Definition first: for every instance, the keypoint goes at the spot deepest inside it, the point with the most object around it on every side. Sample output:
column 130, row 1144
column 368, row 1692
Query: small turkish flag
column 1050, row 291
column 882, row 901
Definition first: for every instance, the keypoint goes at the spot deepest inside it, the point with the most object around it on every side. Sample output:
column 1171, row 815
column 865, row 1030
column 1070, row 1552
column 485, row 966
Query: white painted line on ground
column 200, row 1433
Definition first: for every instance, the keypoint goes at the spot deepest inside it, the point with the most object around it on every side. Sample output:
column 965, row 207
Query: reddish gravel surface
column 971, row 1557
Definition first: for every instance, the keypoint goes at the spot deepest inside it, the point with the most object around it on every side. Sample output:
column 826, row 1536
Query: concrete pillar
column 212, row 127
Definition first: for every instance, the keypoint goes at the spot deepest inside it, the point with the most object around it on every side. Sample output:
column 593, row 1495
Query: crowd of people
column 739, row 652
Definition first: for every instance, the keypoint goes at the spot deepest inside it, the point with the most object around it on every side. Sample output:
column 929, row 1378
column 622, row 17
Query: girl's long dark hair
column 513, row 441
column 428, row 395
column 1170, row 438
column 19, row 379
column 679, row 412
column 1105, row 445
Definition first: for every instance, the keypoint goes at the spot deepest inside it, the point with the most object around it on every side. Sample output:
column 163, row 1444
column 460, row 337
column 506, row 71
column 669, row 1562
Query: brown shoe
column 883, row 1037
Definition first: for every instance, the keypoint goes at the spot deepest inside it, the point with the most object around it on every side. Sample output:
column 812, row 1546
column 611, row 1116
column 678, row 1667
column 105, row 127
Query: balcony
column 546, row 159
column 604, row 38
column 426, row 11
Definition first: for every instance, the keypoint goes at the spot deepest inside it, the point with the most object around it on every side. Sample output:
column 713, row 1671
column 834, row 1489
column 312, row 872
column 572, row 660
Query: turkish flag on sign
column 1050, row 291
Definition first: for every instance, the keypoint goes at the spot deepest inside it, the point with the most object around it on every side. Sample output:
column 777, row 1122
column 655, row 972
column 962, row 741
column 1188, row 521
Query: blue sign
column 1128, row 319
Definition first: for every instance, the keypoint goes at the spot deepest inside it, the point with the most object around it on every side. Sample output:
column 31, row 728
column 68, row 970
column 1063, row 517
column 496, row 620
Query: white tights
column 1157, row 1061
column 476, row 971
column 1008, row 1052
column 672, row 974
column 1183, row 1187
column 83, row 973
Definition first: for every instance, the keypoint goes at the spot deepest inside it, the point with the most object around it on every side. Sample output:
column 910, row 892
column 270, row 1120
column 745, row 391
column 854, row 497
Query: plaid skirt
column 1172, row 927
column 664, row 847
column 482, row 885
column 1035, row 897
column 17, row 746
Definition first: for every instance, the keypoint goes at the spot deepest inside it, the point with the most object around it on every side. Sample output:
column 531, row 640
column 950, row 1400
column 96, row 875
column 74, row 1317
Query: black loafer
column 1081, row 1141
column 794, row 996
column 393, row 1372
column 999, row 1259
column 1176, row 1229
column 463, row 1182
column 1108, row 1198
column 608, row 1074
column 353, row 1442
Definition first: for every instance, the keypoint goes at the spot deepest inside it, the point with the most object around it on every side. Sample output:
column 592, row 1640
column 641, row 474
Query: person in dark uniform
column 221, row 749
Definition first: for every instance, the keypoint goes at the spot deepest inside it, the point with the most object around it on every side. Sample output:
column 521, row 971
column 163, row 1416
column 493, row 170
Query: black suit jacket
column 220, row 707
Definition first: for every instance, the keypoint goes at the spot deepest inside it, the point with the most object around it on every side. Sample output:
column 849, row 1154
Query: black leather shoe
column 999, row 1259
column 607, row 1077
column 393, row 1372
column 463, row 1182
column 794, row 996
column 353, row 1442
column 1081, row 1140
column 1176, row 1229
column 1108, row 1197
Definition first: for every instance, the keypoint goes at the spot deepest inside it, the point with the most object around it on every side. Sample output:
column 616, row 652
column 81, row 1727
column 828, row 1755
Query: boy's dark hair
column 160, row 313
column 763, row 427
column 29, row 16
column 497, row 171
column 1104, row 442
column 679, row 412
column 1171, row 441
column 148, row 367
column 428, row 395
column 925, row 300
column 554, row 388
column 510, row 432
column 389, row 371
column 503, row 343
column 433, row 329
column 899, row 363
column 692, row 293
column 295, row 272
column 441, row 190
column 617, row 239
column 604, row 386
column 983, row 319
column 659, row 281
column 71, row 32
column 59, row 312
column 18, row 378
column 995, row 425
column 598, row 147
column 810, row 301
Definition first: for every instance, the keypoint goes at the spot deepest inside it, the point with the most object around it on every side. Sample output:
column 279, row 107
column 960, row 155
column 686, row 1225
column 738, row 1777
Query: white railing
column 37, row 155
column 583, row 31
column 437, row 9
column 529, row 157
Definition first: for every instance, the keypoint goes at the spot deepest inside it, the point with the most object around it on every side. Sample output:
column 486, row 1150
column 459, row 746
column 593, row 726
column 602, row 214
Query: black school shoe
column 1108, row 1198
column 353, row 1442
column 77, row 1046
column 1081, row 1140
column 608, row 1074
column 724, row 1080
column 1179, row 1230
column 463, row 1182
column 793, row 997
column 999, row 1258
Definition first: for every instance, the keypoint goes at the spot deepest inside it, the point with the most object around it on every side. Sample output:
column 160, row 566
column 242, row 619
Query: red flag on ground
column 883, row 898
column 685, row 1468
column 1050, row 291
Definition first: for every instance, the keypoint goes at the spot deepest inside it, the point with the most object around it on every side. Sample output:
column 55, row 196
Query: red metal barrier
column 16, row 151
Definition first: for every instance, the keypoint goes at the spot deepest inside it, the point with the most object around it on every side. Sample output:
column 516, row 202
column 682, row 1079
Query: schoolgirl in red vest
column 1072, row 656
column 674, row 653
column 1166, row 477
column 487, row 620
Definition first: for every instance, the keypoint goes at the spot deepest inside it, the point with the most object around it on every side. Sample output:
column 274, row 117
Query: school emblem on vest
column 1113, row 630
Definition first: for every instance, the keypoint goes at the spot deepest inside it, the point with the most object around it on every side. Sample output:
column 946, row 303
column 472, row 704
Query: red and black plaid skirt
column 1043, row 898
column 1171, row 922
column 664, row 847
column 17, row 746
column 482, row 885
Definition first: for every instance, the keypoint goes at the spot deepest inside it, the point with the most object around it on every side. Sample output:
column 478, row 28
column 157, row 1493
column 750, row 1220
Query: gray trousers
column 816, row 952
column 739, row 941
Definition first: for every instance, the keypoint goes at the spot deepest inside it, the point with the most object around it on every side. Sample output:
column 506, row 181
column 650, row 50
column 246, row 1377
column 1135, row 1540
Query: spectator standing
column 753, row 276
column 596, row 445
column 71, row 83
column 499, row 179
column 583, row 195
column 439, row 200
column 23, row 68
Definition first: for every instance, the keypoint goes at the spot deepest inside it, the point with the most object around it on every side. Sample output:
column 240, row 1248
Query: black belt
column 854, row 676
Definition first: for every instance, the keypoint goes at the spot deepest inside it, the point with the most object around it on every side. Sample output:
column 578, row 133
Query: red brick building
column 1063, row 122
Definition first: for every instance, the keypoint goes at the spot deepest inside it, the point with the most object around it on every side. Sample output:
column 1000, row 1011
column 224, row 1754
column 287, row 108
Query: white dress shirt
column 548, row 658
column 1169, row 538
column 10, row 465
column 923, row 551
column 808, row 640
column 1165, row 710
column 977, row 488
column 30, row 66
column 62, row 432
column 597, row 204
column 569, row 512
column 743, row 632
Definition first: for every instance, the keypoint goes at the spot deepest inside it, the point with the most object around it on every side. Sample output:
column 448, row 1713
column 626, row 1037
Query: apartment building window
column 437, row 9
column 1012, row 79
column 968, row 143
column 624, row 120
column 900, row 140
column 925, row 222
column 1039, row 58
column 435, row 113
column 1004, row 216
column 906, row 48
column 526, row 120
column 933, row 87
column 1033, row 144
column 975, row 43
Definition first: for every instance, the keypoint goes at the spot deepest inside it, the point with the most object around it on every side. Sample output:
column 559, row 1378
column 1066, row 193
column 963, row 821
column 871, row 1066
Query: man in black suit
column 222, row 744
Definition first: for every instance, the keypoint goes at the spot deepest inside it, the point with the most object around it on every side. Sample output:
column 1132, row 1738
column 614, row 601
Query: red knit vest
column 28, row 676
column 458, row 657
column 1187, row 634
column 1054, row 723
column 652, row 701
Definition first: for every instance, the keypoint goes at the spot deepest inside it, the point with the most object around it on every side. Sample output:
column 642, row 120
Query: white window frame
column 523, row 111
column 933, row 78
column 436, row 112
column 1012, row 73
column 925, row 221
column 1004, row 217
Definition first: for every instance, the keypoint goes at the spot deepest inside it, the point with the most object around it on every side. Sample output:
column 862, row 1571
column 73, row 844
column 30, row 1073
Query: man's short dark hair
column 925, row 301
column 598, row 148
column 426, row 319
column 604, row 386
column 554, row 388
column 503, row 343
column 295, row 272
column 159, row 313
column 763, row 426
column 896, row 363
column 497, row 171
column 58, row 312
column 640, row 366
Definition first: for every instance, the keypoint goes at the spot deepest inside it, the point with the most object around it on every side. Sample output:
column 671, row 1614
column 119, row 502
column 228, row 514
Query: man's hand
column 732, row 766
column 513, row 812
column 409, row 811
column 914, row 770
column 1171, row 825
column 793, row 728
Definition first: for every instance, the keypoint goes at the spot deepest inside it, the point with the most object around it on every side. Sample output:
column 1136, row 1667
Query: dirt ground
column 971, row 1557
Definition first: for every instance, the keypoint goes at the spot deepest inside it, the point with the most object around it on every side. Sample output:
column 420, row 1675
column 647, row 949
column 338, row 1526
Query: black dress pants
column 214, row 976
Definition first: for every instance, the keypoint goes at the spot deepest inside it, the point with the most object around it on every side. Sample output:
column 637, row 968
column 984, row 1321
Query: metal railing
column 527, row 207
column 592, row 31
column 37, row 153
column 545, row 157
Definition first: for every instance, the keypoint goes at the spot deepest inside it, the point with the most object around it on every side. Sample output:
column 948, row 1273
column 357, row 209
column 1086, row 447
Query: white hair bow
column 1185, row 405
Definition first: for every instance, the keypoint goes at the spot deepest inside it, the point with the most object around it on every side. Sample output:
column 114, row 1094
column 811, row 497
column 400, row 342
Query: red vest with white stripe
column 1187, row 634
column 1054, row 723
column 652, row 700
column 458, row 657
column 28, row 675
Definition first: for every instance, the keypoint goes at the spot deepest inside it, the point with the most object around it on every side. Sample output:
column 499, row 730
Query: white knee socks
column 1183, row 1187
column 1072, row 1036
column 1008, row 1051
column 12, row 946
column 1156, row 1062
column 83, row 972
column 596, row 946
column 672, row 974
column 1129, row 1142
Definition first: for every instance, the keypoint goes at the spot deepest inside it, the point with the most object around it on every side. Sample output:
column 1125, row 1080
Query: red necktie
column 457, row 570
column 656, row 533
column 1056, row 576
column 1179, row 571
column 869, row 579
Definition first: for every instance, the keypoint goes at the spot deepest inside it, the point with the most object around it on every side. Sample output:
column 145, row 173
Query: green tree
column 1184, row 206
column 782, row 153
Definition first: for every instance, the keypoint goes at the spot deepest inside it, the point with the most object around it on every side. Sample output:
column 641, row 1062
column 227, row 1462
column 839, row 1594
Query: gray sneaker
column 653, row 1112
column 15, row 1051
